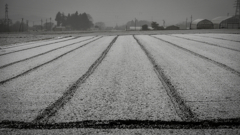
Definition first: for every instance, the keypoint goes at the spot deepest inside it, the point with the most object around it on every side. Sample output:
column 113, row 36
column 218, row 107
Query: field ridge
column 181, row 108
column 7, row 80
column 203, row 57
column 54, row 107
column 44, row 53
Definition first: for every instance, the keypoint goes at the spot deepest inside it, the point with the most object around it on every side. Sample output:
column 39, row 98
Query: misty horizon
column 113, row 12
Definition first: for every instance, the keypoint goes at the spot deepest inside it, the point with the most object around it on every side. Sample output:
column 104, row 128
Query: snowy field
column 97, row 81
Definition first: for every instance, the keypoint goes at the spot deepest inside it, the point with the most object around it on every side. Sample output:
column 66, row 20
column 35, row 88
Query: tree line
column 74, row 21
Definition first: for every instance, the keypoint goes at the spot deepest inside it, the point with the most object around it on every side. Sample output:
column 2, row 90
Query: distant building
column 172, row 27
column 226, row 22
column 133, row 28
column 201, row 24
column 59, row 28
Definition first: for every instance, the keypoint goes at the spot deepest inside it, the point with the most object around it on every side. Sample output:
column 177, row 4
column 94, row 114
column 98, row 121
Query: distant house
column 59, row 28
column 201, row 24
column 226, row 22
column 172, row 27
column 133, row 28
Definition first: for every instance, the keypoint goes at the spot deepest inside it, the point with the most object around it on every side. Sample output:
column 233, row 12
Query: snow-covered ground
column 23, row 98
column 233, row 37
column 218, row 42
column 221, row 55
column 18, row 68
column 123, row 87
column 22, row 46
column 12, row 57
column 209, row 90
column 7, row 40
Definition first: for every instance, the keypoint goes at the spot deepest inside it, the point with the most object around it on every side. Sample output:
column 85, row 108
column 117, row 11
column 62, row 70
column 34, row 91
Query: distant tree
column 86, row 23
column 75, row 21
column 58, row 18
column 68, row 18
column 48, row 25
column 145, row 27
column 63, row 19
column 155, row 25
column 90, row 17
column 100, row 25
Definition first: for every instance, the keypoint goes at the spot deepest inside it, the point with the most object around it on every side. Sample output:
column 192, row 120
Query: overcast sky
column 114, row 12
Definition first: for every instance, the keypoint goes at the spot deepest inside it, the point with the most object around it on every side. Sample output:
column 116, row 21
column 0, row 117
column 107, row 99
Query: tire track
column 43, row 53
column 32, row 69
column 32, row 42
column 67, row 95
column 217, row 38
column 38, row 46
column 126, row 124
column 203, row 57
column 182, row 109
column 205, row 43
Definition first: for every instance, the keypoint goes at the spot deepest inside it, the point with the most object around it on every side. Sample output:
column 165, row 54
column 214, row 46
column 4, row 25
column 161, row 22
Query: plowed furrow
column 32, row 42
column 32, row 69
column 4, row 66
column 217, row 38
column 182, row 109
column 53, row 108
column 38, row 46
column 206, row 43
column 203, row 57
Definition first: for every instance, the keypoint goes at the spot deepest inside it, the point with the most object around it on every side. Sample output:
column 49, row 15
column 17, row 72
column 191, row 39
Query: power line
column 6, row 20
column 237, row 5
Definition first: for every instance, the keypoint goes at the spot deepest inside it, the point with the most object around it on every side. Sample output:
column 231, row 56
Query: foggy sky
column 114, row 12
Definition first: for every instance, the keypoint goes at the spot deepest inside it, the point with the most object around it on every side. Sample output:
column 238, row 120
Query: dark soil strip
column 217, row 38
column 43, row 53
column 29, row 42
column 127, row 124
column 182, row 109
column 38, row 46
column 206, row 43
column 203, row 57
column 67, row 95
column 4, row 81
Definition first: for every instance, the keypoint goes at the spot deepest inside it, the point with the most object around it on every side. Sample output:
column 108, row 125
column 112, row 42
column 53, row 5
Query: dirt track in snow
column 141, row 77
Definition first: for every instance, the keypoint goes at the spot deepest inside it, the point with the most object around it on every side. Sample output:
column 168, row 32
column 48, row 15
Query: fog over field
column 113, row 12
column 119, row 67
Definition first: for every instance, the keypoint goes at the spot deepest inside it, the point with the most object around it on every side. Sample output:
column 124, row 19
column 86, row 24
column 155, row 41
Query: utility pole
column 21, row 26
column 27, row 24
column 41, row 24
column 237, row 5
column 191, row 23
column 46, row 24
column 50, row 24
column 186, row 22
column 163, row 23
column 237, row 12
column 135, row 23
column 6, row 21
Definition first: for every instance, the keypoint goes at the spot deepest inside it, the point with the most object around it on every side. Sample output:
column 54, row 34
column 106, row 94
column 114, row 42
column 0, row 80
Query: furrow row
column 217, row 38
column 206, row 43
column 39, row 46
column 182, row 110
column 203, row 57
column 4, row 66
column 54, row 107
column 33, row 42
column 34, row 68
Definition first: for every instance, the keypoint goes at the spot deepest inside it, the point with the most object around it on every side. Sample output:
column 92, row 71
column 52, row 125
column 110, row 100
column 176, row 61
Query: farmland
column 112, row 78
